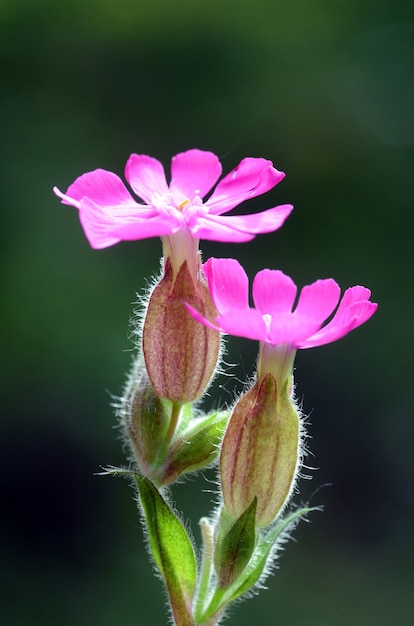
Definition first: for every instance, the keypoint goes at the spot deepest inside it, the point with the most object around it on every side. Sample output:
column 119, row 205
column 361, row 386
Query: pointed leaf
column 255, row 568
column 172, row 550
column 264, row 546
column 236, row 547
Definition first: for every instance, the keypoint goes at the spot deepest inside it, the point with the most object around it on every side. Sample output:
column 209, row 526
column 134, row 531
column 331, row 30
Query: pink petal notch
column 251, row 178
column 354, row 310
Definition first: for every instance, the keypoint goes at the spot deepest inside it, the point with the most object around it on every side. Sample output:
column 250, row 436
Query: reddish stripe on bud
column 260, row 452
column 180, row 353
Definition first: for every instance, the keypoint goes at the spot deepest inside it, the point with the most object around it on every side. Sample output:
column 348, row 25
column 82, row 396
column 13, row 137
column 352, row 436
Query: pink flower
column 273, row 322
column 109, row 213
column 261, row 449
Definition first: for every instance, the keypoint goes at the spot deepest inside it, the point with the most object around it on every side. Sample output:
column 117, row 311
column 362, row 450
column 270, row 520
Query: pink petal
column 249, row 324
column 97, row 231
column 158, row 226
column 211, row 228
column 146, row 176
column 228, row 284
column 251, row 178
column 290, row 328
column 200, row 318
column 66, row 199
column 319, row 299
column 354, row 309
column 351, row 296
column 193, row 173
column 273, row 292
column 105, row 226
column 238, row 228
column 100, row 186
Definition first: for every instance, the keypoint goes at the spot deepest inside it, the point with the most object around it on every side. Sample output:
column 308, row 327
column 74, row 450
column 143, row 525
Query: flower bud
column 167, row 440
column 180, row 353
column 146, row 418
column 260, row 452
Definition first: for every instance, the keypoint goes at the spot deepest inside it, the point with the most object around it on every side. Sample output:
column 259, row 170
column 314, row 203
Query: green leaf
column 255, row 568
column 235, row 549
column 172, row 550
column 196, row 447
column 264, row 546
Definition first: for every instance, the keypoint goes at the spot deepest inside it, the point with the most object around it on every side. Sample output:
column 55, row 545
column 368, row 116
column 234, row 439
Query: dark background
column 326, row 91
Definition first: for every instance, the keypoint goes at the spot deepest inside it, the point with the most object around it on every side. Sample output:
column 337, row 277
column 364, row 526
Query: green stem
column 175, row 415
column 214, row 619
column 201, row 599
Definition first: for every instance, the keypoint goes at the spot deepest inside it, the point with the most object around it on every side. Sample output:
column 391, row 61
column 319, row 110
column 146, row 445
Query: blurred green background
column 326, row 91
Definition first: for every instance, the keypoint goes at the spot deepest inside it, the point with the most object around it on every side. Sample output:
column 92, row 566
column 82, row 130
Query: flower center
column 183, row 205
column 267, row 318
